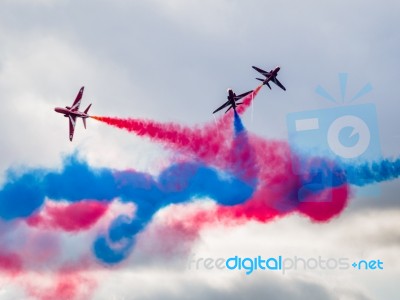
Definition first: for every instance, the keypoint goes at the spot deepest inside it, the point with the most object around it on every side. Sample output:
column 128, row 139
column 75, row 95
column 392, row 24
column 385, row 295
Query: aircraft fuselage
column 273, row 74
column 68, row 112
column 231, row 98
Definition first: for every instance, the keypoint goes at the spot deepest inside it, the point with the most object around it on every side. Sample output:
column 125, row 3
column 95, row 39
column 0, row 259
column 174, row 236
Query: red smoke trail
column 209, row 143
column 273, row 197
column 204, row 142
column 213, row 144
column 69, row 217
column 10, row 263
column 65, row 285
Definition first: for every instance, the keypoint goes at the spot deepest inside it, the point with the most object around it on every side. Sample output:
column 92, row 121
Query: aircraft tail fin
column 264, row 82
column 87, row 109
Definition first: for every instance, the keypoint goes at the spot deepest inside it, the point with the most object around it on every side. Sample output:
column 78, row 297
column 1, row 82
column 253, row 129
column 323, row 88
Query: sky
column 172, row 62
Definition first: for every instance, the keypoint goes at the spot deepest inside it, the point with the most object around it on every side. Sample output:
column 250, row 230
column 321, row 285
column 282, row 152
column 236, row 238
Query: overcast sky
column 173, row 61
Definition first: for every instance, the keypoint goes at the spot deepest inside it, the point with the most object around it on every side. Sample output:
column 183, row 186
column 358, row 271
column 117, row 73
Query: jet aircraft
column 270, row 76
column 72, row 112
column 232, row 98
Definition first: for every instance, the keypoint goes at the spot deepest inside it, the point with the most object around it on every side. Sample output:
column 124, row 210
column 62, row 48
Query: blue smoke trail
column 20, row 197
column 319, row 174
column 242, row 153
column 24, row 196
column 373, row 172
column 237, row 123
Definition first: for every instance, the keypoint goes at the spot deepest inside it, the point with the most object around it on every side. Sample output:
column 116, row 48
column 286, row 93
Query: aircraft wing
column 77, row 102
column 71, row 127
column 278, row 83
column 242, row 95
column 265, row 73
column 221, row 107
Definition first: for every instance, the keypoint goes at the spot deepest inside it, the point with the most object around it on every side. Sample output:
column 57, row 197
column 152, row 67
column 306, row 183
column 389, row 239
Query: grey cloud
column 238, row 288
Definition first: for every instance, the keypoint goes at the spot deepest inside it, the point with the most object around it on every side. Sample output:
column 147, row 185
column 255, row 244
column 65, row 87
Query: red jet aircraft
column 270, row 76
column 73, row 112
column 232, row 99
